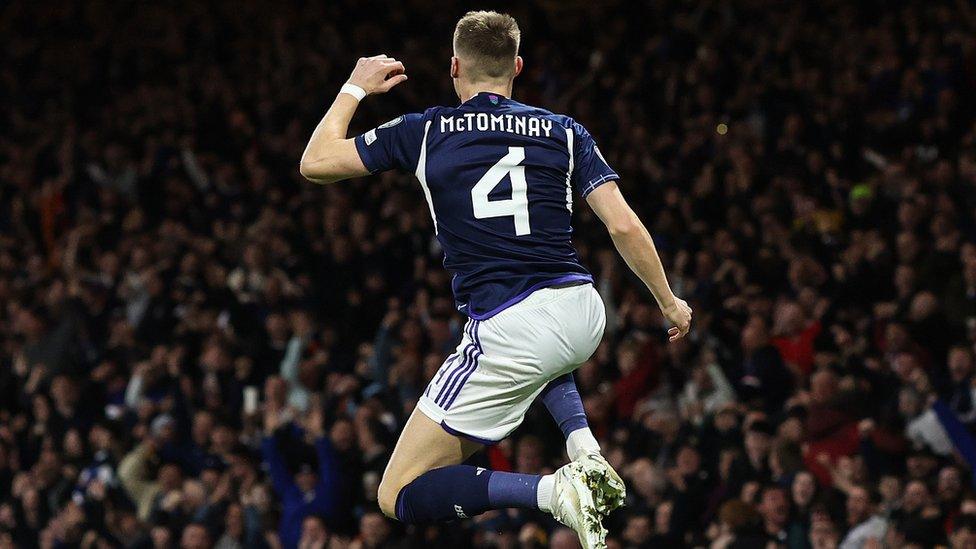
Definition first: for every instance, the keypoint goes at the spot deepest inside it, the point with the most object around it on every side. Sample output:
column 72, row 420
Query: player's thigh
column 423, row 445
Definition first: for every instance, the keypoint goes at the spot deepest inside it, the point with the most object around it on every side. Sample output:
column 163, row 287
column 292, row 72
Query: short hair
column 490, row 40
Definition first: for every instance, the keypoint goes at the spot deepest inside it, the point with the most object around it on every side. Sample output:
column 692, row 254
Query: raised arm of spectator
column 283, row 482
column 329, row 473
column 297, row 394
column 134, row 475
column 383, row 346
column 330, row 156
column 133, row 391
column 637, row 248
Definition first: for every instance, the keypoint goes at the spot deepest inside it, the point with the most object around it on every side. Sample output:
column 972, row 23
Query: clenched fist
column 377, row 74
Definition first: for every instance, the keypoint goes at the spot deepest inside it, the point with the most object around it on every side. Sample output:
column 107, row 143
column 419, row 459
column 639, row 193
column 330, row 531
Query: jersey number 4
column 517, row 206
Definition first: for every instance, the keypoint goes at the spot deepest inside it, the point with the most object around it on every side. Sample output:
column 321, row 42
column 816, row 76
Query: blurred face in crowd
column 203, row 423
column 726, row 420
column 314, row 533
column 687, row 461
column 375, row 529
column 754, row 334
column 920, row 466
column 73, row 445
column 647, row 478
column 916, row 496
column 306, row 479
column 789, row 318
column 904, row 365
column 170, row 477
column 63, row 391
column 343, row 435
column 960, row 364
column 890, row 489
column 963, row 538
column 823, row 386
column 803, row 489
column 859, row 506
column 234, row 521
column 949, row 487
column 774, row 507
column 823, row 533
column 757, row 444
column 638, row 530
column 195, row 536
column 222, row 438
column 161, row 536
column 564, row 538
column 908, row 403
column 627, row 357
column 100, row 438
column 791, row 430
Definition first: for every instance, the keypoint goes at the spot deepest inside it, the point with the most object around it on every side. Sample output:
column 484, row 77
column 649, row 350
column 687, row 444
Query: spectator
column 311, row 489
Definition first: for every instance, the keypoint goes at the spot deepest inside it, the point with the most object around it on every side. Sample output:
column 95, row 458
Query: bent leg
column 563, row 401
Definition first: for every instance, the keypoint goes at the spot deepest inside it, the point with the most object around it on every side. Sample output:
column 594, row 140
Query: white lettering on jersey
column 531, row 126
column 460, row 511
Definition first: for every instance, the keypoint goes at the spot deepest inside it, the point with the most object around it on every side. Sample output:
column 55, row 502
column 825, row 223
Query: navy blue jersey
column 499, row 177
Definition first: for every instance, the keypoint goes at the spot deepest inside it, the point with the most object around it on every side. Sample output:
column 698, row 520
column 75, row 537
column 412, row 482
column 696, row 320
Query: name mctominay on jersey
column 531, row 126
column 499, row 179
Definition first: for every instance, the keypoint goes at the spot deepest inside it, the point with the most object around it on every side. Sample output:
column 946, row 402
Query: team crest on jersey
column 493, row 99
column 369, row 137
column 391, row 123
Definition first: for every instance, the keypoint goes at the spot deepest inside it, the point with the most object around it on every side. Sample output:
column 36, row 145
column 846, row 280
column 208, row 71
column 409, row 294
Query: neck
column 467, row 91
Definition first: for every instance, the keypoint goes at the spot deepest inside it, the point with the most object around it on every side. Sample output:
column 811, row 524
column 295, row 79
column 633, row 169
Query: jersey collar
column 492, row 98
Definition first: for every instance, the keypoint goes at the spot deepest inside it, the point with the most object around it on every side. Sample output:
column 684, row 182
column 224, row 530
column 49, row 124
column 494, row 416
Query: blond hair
column 488, row 41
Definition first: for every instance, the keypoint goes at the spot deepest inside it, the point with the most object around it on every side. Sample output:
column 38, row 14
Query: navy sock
column 461, row 491
column 513, row 490
column 563, row 401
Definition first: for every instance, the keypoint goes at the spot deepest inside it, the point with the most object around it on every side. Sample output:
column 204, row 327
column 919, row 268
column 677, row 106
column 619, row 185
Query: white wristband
column 353, row 90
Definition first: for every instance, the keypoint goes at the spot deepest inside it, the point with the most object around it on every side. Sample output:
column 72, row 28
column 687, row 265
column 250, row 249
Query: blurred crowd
column 199, row 349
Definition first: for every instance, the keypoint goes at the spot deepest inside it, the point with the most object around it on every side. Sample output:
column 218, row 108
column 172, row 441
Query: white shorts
column 484, row 389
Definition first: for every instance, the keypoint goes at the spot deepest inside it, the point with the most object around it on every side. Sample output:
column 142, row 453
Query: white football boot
column 608, row 487
column 574, row 505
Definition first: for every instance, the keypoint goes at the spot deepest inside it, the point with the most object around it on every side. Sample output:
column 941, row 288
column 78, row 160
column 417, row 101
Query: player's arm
column 329, row 155
column 637, row 248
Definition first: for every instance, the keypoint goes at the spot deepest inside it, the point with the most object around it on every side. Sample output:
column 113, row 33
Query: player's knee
column 386, row 495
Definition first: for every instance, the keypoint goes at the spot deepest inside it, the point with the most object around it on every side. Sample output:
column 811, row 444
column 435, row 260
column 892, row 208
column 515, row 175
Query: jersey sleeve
column 393, row 145
column 590, row 169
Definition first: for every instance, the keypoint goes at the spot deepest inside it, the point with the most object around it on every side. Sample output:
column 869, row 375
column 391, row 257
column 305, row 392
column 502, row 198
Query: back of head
column 487, row 43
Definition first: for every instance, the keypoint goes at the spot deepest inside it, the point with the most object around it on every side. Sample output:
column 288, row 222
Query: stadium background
column 807, row 169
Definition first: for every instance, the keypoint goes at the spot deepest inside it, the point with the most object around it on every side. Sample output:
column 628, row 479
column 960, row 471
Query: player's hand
column 377, row 74
column 679, row 314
